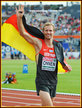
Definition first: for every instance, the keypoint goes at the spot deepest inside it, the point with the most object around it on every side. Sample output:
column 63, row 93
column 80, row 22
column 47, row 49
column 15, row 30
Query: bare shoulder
column 37, row 42
column 37, row 45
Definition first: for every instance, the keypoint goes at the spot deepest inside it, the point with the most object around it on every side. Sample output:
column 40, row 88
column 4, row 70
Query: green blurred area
column 67, row 83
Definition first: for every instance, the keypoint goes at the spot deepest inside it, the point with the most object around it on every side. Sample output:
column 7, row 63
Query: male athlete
column 47, row 63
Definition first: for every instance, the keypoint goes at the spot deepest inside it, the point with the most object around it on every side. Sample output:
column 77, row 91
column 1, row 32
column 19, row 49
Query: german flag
column 11, row 36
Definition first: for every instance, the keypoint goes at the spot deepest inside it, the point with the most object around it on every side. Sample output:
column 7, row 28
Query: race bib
column 48, row 64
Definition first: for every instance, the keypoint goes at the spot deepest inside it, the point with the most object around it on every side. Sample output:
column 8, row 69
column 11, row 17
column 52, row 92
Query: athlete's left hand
column 67, row 67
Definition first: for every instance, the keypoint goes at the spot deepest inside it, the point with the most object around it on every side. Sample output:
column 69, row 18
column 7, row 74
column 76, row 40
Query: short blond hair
column 48, row 24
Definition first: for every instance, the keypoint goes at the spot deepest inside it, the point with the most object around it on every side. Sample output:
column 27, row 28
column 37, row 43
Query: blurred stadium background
column 66, row 19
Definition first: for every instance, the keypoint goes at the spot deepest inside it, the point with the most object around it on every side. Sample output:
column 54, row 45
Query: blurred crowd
column 64, row 25
column 68, row 25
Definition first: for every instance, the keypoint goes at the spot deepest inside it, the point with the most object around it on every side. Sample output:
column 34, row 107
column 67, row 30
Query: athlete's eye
column 50, row 30
column 46, row 30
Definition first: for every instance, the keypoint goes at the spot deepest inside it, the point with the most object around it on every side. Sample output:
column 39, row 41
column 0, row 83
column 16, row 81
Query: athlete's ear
column 54, row 31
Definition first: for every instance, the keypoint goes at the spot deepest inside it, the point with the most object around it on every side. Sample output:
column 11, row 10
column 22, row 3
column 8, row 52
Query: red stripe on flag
column 13, row 21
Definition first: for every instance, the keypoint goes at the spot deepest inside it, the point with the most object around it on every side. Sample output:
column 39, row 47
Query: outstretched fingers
column 20, row 11
column 16, row 11
column 21, row 8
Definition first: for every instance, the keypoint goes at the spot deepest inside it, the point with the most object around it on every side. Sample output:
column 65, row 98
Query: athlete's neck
column 49, row 43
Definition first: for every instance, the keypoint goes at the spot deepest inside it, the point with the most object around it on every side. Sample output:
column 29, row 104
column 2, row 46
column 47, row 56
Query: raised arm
column 30, row 39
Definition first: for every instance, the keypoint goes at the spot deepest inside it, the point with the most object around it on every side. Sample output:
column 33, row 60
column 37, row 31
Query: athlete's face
column 48, row 32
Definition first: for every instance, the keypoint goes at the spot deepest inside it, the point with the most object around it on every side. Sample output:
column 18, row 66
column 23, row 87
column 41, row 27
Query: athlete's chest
column 48, row 52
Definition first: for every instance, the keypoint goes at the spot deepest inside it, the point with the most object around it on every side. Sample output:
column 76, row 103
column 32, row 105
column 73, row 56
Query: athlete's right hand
column 20, row 11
